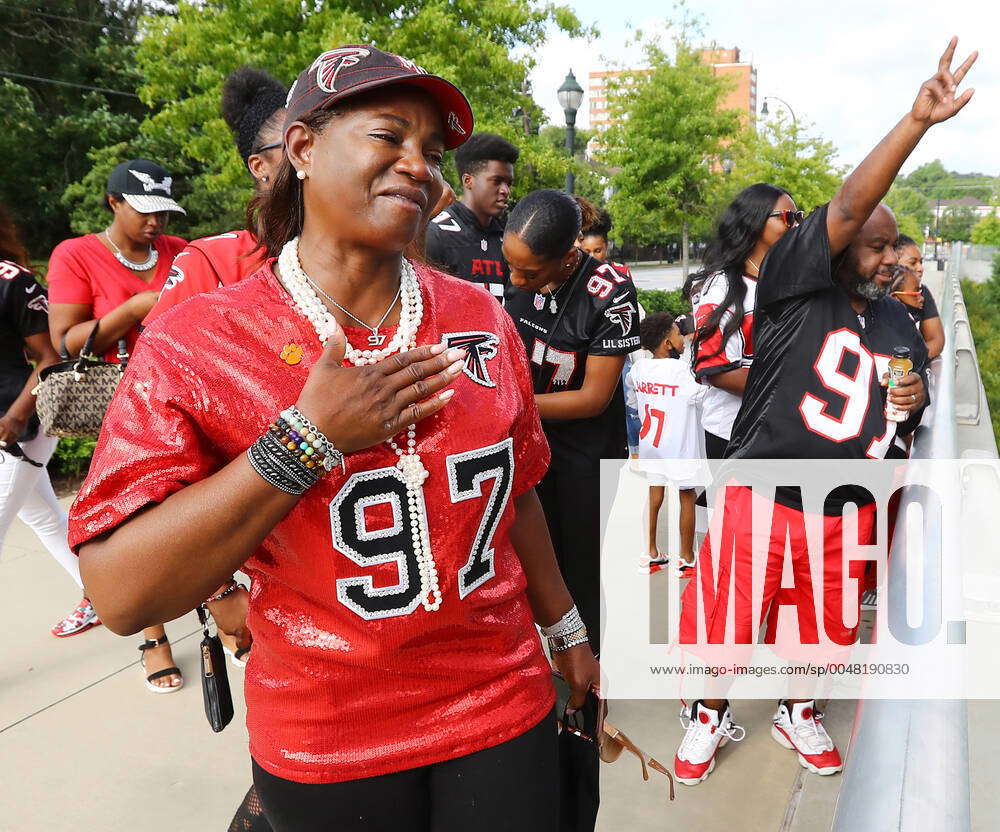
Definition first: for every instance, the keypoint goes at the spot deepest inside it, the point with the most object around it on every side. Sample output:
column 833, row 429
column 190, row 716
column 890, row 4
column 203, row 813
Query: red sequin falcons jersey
column 205, row 265
column 350, row 677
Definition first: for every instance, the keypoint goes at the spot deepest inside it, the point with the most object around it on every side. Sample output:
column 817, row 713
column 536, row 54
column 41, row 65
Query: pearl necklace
column 146, row 265
column 408, row 461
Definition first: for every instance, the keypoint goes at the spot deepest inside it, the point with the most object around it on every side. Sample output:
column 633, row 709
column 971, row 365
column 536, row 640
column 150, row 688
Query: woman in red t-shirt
column 111, row 280
column 398, row 553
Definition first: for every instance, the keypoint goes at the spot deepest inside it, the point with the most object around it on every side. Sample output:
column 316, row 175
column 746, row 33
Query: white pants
column 26, row 492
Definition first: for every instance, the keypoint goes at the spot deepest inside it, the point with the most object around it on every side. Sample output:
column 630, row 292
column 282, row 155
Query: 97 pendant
column 376, row 340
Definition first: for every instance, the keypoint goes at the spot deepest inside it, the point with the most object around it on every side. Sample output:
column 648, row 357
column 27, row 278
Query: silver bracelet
column 557, row 644
column 569, row 623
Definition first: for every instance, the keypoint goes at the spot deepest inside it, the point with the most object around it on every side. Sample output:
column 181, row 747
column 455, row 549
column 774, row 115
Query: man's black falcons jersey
column 595, row 313
column 24, row 311
column 814, row 390
column 461, row 246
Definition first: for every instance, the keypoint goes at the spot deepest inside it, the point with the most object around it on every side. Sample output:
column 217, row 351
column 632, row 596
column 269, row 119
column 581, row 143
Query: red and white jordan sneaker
column 82, row 618
column 706, row 731
column 798, row 727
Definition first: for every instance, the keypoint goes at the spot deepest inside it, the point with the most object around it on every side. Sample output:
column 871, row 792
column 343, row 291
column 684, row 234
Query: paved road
column 657, row 277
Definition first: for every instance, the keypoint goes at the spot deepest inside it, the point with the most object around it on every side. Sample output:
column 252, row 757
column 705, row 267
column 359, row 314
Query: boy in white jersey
column 664, row 391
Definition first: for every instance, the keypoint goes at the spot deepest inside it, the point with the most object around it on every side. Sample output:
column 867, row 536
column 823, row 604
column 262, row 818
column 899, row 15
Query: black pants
column 572, row 505
column 512, row 787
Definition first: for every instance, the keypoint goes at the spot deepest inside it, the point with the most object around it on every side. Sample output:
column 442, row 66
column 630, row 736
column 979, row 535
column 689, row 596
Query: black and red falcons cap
column 348, row 70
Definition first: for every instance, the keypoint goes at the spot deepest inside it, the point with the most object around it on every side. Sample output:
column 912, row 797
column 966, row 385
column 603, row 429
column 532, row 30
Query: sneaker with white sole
column 706, row 731
column 798, row 727
column 82, row 618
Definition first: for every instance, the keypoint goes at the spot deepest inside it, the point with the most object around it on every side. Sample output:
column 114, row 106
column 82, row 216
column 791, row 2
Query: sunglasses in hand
column 789, row 218
column 589, row 723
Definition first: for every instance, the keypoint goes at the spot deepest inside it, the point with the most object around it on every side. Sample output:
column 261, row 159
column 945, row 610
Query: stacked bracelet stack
column 293, row 454
column 568, row 631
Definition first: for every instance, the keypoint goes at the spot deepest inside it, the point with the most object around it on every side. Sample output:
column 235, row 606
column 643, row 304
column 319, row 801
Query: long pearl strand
column 408, row 460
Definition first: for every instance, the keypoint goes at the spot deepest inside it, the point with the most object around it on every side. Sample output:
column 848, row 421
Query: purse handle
column 85, row 351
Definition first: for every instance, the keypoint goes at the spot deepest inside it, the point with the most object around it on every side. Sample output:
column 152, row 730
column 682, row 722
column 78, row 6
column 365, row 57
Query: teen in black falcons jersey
column 465, row 239
column 823, row 333
column 578, row 319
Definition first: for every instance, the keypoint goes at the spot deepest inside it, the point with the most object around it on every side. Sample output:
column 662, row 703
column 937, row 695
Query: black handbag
column 214, row 680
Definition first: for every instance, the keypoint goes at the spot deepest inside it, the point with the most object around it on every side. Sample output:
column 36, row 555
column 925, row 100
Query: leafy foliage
column 185, row 58
column 657, row 300
column 53, row 126
column 781, row 153
column 986, row 232
column 72, row 456
column 661, row 150
column 956, row 224
column 982, row 300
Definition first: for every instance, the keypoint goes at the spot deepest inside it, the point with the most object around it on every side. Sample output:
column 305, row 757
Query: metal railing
column 908, row 768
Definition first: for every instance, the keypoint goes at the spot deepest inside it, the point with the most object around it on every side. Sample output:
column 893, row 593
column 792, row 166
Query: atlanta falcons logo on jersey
column 621, row 314
column 328, row 65
column 479, row 348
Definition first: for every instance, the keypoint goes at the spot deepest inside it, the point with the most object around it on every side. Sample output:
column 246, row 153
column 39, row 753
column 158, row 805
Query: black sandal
column 149, row 644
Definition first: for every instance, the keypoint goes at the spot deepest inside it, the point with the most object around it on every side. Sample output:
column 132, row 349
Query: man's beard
column 867, row 289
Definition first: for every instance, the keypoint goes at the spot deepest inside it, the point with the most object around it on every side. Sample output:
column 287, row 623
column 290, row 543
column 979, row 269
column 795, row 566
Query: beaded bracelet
column 272, row 461
column 293, row 454
column 312, row 441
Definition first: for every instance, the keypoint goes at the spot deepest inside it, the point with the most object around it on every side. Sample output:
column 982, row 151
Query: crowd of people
column 387, row 405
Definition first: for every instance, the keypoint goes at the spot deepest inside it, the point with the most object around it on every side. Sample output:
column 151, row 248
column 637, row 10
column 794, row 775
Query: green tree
column 484, row 46
column 49, row 127
column 986, row 232
column 910, row 207
column 665, row 146
column 781, row 153
column 956, row 224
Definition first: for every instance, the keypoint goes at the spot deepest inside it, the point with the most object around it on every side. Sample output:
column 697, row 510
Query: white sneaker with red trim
column 706, row 731
column 82, row 618
column 797, row 727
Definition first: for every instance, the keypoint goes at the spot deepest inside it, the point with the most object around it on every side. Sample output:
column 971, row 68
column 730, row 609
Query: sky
column 851, row 68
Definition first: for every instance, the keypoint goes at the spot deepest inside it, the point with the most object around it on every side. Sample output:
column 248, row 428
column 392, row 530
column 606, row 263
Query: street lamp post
column 791, row 112
column 570, row 98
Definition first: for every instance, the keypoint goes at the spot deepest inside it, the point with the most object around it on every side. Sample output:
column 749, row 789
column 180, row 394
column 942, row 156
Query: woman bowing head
column 359, row 435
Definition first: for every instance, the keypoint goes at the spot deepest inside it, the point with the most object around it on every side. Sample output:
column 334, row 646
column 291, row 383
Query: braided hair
column 252, row 100
column 549, row 221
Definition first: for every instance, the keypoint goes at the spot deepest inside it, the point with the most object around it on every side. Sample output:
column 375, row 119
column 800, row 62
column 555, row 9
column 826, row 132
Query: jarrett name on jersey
column 457, row 243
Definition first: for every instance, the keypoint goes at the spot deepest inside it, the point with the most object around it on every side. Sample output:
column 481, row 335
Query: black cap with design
column 348, row 70
column 144, row 185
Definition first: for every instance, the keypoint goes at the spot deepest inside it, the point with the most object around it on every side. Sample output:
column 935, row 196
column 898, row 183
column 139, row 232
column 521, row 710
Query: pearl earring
column 301, row 174
column 263, row 179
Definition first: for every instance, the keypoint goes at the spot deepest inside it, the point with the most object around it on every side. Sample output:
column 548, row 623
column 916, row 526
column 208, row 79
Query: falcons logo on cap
column 328, row 65
column 621, row 314
column 479, row 348
column 150, row 184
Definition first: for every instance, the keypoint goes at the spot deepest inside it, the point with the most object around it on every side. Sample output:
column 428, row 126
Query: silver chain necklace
column 375, row 339
column 150, row 261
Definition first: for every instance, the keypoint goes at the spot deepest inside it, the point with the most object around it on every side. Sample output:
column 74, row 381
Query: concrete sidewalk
column 83, row 744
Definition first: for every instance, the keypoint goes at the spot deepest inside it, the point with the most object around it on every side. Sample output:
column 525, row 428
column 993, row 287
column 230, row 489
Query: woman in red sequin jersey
column 398, row 554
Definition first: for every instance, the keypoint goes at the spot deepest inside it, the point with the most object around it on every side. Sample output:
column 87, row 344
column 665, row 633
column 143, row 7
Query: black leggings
column 572, row 505
column 512, row 787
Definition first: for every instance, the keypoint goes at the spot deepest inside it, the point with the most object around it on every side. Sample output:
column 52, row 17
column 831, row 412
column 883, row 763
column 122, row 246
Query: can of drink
column 899, row 365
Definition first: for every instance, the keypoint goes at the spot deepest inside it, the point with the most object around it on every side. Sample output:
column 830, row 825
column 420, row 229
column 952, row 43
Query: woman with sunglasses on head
column 303, row 432
column 101, row 286
column 722, row 294
column 25, row 489
column 918, row 301
column 253, row 105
